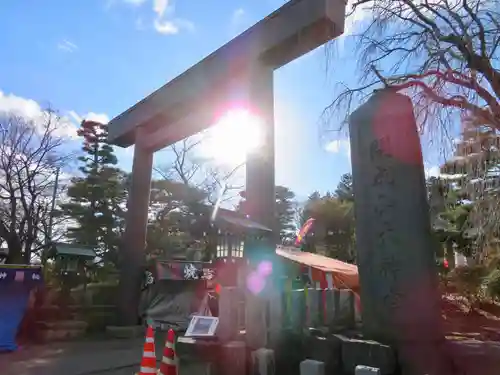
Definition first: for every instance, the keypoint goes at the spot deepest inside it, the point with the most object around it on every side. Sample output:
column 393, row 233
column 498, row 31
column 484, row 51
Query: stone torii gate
column 399, row 298
column 240, row 70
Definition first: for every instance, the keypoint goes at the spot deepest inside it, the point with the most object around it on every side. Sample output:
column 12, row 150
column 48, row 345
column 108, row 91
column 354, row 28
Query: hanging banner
column 16, row 284
column 25, row 275
column 184, row 271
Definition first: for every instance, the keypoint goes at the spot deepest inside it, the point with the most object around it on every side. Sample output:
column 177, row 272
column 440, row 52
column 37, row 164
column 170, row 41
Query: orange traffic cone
column 148, row 362
column 168, row 365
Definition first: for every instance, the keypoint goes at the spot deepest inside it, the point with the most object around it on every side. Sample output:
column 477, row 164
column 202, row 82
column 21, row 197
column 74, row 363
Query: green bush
column 492, row 283
column 104, row 293
column 469, row 281
column 99, row 317
column 96, row 294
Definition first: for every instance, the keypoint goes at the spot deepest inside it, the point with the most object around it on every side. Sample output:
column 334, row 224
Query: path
column 111, row 357
column 122, row 357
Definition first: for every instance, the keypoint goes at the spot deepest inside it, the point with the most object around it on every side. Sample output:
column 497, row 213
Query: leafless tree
column 196, row 172
column 444, row 54
column 30, row 153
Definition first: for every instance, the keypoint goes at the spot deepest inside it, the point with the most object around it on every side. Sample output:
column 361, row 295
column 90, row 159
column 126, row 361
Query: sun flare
column 235, row 134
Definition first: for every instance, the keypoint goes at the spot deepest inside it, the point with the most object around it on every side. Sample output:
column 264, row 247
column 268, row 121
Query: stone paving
column 110, row 357
column 122, row 357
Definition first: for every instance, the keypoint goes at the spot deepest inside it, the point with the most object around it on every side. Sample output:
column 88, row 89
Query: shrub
column 96, row 294
column 492, row 283
column 469, row 281
column 104, row 293
column 98, row 317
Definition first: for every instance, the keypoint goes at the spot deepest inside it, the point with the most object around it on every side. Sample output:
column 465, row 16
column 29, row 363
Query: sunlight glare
column 235, row 134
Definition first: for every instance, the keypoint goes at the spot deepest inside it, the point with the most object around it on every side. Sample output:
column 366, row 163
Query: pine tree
column 97, row 198
column 344, row 191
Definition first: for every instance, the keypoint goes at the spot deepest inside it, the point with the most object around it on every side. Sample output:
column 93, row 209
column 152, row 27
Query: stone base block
column 366, row 370
column 263, row 362
column 198, row 356
column 312, row 367
column 233, row 358
column 326, row 350
column 366, row 353
column 63, row 330
column 187, row 367
column 128, row 332
column 289, row 352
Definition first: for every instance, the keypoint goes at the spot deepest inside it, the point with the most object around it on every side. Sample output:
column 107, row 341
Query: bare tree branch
column 441, row 53
column 30, row 152
column 199, row 173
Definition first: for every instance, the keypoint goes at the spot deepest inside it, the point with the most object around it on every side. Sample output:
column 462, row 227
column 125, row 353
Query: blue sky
column 102, row 56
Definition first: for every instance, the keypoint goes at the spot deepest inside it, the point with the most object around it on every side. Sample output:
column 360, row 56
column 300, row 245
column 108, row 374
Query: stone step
column 62, row 330
column 63, row 325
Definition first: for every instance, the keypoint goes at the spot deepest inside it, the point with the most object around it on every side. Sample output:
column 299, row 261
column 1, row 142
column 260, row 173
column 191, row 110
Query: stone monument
column 397, row 270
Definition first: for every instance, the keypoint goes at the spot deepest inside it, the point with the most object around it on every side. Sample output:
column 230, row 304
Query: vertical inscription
column 384, row 256
column 393, row 234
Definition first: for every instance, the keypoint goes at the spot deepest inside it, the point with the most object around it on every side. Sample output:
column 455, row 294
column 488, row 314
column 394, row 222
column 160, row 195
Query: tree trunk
column 15, row 255
column 450, row 255
column 13, row 243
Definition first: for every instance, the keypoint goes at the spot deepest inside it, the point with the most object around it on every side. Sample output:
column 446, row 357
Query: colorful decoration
column 304, row 230
column 20, row 274
column 288, row 295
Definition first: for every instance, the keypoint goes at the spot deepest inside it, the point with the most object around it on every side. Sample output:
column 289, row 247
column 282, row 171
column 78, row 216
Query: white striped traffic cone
column 148, row 362
column 168, row 364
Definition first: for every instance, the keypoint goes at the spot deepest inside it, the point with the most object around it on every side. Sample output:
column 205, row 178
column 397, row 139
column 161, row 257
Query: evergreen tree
column 97, row 198
column 285, row 210
column 344, row 191
column 286, row 207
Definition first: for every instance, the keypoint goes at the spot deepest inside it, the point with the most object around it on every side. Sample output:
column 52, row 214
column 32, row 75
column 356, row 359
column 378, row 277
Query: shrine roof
column 74, row 249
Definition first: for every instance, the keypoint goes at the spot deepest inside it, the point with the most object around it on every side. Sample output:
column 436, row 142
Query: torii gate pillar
column 260, row 165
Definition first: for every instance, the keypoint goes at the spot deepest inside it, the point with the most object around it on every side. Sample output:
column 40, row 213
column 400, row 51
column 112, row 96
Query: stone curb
column 107, row 369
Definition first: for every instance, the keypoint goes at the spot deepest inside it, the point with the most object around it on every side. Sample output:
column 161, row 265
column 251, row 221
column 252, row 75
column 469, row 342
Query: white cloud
column 339, row 146
column 166, row 27
column 160, row 6
column 30, row 110
column 362, row 12
column 432, row 171
column 91, row 116
column 333, row 146
column 67, row 46
column 170, row 27
column 17, row 106
column 239, row 19
column 354, row 20
column 238, row 14
column 164, row 22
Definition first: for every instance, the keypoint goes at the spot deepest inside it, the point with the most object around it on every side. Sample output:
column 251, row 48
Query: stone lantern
column 235, row 232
